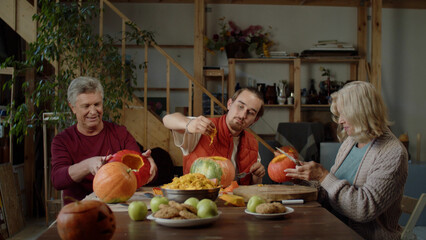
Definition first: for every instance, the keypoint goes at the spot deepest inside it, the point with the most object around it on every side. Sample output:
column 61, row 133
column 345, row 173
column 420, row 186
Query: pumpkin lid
column 279, row 158
column 81, row 206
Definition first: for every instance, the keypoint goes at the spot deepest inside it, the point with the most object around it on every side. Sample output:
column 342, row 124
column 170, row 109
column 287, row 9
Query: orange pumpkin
column 215, row 167
column 277, row 166
column 290, row 149
column 136, row 162
column 87, row 219
column 114, row 182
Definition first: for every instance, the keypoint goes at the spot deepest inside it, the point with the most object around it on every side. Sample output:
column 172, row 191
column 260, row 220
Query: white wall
column 295, row 28
column 404, row 73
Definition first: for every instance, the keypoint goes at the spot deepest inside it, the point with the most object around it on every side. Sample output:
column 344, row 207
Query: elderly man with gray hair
column 80, row 150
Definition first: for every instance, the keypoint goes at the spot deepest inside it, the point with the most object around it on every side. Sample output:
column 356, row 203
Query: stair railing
column 169, row 59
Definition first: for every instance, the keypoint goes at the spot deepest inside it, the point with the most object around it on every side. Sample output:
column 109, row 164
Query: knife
column 292, row 201
column 287, row 155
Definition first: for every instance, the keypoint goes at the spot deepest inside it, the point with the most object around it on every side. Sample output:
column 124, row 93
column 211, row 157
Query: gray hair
column 82, row 85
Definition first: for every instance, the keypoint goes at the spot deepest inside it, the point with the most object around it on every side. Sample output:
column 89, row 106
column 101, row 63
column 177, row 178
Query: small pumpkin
column 114, row 182
column 215, row 167
column 290, row 149
column 87, row 219
column 137, row 162
column 277, row 166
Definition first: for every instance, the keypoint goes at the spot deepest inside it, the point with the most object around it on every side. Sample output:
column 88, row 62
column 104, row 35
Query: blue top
column 349, row 166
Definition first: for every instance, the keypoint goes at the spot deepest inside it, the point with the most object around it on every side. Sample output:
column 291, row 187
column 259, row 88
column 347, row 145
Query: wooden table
column 303, row 223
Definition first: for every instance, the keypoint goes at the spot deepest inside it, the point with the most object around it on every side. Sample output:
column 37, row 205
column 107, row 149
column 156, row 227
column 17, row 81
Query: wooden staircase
column 18, row 15
column 145, row 126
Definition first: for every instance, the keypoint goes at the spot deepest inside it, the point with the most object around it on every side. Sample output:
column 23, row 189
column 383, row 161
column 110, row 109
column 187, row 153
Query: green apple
column 206, row 208
column 253, row 202
column 137, row 210
column 156, row 201
column 192, row 201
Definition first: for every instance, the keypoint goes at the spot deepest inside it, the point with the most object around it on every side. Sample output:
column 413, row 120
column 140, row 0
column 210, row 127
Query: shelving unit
column 211, row 74
column 357, row 72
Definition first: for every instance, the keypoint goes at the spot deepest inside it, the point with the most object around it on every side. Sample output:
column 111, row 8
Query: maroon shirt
column 70, row 147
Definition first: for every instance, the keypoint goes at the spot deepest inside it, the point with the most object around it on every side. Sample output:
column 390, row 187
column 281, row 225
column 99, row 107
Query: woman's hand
column 153, row 170
column 308, row 171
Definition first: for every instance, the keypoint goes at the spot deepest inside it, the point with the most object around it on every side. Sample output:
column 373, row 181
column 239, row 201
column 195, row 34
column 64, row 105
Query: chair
column 304, row 136
column 414, row 207
column 53, row 200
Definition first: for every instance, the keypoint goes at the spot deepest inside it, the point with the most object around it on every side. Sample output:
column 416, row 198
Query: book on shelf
column 332, row 45
column 321, row 48
column 329, row 53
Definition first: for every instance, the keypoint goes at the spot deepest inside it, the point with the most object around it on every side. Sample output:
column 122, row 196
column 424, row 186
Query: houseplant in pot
column 238, row 42
column 66, row 38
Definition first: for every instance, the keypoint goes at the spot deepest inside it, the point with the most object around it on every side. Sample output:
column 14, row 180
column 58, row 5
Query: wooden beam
column 296, row 90
column 168, row 86
column 362, row 31
column 199, row 54
column 376, row 45
column 415, row 4
column 145, row 95
column 29, row 149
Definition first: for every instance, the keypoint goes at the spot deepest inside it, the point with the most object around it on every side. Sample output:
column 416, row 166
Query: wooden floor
column 33, row 229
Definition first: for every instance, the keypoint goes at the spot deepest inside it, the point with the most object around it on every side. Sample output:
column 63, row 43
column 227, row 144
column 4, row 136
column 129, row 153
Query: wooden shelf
column 316, row 105
column 357, row 72
column 330, row 59
column 217, row 74
column 260, row 60
column 214, row 72
column 280, row 105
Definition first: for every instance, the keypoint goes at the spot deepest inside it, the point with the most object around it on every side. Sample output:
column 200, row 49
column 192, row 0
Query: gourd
column 277, row 166
column 235, row 200
column 215, row 167
column 114, row 182
column 87, row 219
column 137, row 162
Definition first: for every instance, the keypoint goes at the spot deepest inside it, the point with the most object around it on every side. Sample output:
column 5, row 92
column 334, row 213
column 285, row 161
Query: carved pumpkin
column 114, row 182
column 87, row 219
column 290, row 149
column 137, row 162
column 277, row 166
column 215, row 167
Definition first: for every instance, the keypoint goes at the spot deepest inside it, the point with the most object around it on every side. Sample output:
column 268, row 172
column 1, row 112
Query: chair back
column 414, row 207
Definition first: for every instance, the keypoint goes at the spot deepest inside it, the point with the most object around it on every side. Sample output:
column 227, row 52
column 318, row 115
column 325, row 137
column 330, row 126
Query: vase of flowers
column 238, row 42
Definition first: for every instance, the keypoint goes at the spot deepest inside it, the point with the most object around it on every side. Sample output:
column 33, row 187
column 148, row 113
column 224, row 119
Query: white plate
column 270, row 215
column 184, row 222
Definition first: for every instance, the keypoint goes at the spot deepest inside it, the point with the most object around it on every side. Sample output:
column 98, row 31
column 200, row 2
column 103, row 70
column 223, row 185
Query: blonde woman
column 365, row 185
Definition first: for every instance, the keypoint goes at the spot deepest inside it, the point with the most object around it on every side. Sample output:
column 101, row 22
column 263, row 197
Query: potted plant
column 237, row 42
column 65, row 36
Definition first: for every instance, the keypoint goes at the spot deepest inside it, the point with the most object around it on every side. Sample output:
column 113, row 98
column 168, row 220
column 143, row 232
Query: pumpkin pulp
column 133, row 161
column 137, row 162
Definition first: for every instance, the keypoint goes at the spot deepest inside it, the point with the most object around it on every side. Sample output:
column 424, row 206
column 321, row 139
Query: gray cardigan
column 372, row 205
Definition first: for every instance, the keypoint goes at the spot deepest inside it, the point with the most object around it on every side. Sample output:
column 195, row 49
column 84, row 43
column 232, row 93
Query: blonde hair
column 363, row 107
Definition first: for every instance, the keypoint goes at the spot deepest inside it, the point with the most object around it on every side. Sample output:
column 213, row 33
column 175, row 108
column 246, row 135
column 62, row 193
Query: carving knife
column 287, row 155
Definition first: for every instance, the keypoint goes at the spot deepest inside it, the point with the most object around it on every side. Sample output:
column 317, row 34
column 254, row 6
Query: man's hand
column 201, row 125
column 258, row 171
column 89, row 166
column 93, row 164
column 153, row 170
column 308, row 171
